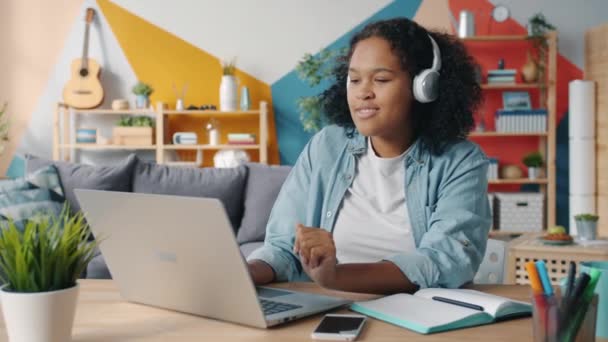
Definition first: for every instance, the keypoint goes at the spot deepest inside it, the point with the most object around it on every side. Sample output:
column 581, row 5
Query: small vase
column 529, row 71
column 533, row 172
column 245, row 100
column 586, row 230
column 228, row 94
column 142, row 102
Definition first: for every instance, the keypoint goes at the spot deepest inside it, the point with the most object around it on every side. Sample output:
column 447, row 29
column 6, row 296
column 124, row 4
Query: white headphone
column 427, row 81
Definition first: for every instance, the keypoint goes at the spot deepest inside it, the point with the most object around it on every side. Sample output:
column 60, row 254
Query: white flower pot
column 228, row 94
column 39, row 316
column 533, row 172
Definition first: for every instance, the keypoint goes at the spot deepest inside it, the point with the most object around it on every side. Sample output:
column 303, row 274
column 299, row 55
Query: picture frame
column 514, row 100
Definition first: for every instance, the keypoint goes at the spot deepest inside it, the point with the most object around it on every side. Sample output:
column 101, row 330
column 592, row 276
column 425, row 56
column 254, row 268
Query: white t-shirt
column 373, row 222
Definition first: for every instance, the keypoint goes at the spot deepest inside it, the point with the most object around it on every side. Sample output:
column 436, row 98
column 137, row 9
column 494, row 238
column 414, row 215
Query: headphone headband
column 436, row 57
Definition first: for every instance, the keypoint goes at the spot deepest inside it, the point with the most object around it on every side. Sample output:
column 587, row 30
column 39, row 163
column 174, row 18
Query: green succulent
column 586, row 217
column 534, row 159
column 142, row 88
column 135, row 121
column 48, row 254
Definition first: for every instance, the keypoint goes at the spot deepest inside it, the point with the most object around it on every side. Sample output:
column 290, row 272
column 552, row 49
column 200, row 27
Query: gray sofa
column 248, row 192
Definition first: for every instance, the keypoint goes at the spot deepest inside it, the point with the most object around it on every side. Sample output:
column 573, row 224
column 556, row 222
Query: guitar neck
column 85, row 48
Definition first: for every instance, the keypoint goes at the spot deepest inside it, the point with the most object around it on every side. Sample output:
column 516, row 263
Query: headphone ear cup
column 425, row 86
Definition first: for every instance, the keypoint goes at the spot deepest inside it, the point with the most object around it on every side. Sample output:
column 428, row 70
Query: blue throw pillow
column 21, row 205
column 44, row 178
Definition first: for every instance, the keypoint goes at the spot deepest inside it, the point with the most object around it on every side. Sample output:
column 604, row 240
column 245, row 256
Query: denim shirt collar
column 417, row 154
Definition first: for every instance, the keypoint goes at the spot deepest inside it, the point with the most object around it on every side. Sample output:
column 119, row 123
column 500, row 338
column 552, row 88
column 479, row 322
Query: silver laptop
column 180, row 253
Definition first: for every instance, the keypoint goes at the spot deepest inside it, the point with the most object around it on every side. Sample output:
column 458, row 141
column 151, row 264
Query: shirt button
column 348, row 177
column 329, row 214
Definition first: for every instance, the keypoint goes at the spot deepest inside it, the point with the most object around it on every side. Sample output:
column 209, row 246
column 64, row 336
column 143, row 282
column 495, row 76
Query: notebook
column 433, row 310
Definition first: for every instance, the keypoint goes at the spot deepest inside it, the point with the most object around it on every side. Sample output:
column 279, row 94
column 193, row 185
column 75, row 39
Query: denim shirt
column 446, row 200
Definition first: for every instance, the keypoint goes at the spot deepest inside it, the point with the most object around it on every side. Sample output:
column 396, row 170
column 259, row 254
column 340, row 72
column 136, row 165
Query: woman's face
column 379, row 91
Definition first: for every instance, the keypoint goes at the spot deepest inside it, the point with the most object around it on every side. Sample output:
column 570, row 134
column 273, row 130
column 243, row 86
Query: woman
column 392, row 197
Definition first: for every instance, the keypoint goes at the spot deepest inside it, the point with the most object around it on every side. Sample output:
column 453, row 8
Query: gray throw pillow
column 225, row 184
column 263, row 185
column 81, row 176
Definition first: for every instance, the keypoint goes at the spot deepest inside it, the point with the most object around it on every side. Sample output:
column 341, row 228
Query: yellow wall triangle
column 162, row 59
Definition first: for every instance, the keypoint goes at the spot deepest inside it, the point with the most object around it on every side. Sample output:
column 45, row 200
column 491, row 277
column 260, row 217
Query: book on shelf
column 502, row 72
column 521, row 120
column 241, row 142
column 501, row 79
column 433, row 310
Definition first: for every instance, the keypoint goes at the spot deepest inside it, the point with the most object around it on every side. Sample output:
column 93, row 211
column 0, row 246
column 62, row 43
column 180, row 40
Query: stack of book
column 493, row 168
column 241, row 139
column 501, row 76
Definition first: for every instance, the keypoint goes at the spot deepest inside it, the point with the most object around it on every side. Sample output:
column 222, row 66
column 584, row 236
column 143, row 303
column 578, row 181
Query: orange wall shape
column 162, row 59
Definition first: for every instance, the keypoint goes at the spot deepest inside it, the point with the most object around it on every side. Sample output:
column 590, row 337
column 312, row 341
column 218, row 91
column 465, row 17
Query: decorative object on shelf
column 40, row 265
column 529, row 71
column 521, row 121
column 533, row 161
column 86, row 135
column 537, row 28
column 312, row 69
column 466, row 25
column 120, row 104
column 84, row 89
column 228, row 87
column 511, row 171
column 586, row 226
column 583, row 161
column 179, row 103
column 3, row 128
column 513, row 100
column 501, row 64
column 142, row 92
column 185, row 138
column 500, row 13
column 134, row 130
column 245, row 99
column 241, row 138
column 230, row 158
column 213, row 132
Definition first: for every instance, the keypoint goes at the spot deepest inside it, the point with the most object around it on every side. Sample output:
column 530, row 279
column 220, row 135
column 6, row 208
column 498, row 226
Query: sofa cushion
column 225, row 184
column 263, row 185
column 23, row 205
column 81, row 176
column 44, row 178
column 248, row 248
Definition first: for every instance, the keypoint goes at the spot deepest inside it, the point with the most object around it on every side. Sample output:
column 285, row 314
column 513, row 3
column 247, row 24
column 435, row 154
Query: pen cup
column 551, row 324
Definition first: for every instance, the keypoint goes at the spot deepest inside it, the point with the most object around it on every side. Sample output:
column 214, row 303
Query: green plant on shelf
column 538, row 26
column 135, row 121
column 229, row 67
column 534, row 159
column 586, row 217
column 143, row 89
column 49, row 253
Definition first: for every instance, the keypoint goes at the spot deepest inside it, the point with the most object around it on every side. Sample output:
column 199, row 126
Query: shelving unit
column 547, row 140
column 64, row 142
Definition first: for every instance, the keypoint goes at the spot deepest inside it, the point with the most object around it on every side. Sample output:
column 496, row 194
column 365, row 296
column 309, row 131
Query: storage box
column 141, row 136
column 519, row 211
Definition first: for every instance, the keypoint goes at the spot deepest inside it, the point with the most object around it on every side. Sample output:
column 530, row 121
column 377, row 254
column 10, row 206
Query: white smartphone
column 339, row 327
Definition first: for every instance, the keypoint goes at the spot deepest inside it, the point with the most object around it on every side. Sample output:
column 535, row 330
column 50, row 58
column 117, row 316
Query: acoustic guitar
column 84, row 90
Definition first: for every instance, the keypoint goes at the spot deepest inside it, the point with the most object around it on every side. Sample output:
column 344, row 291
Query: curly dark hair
column 447, row 119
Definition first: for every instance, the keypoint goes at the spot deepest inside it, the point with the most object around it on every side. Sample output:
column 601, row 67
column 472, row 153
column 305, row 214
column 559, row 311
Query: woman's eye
column 354, row 80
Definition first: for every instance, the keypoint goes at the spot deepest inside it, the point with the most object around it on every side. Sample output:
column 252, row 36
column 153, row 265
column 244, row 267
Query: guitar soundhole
column 84, row 72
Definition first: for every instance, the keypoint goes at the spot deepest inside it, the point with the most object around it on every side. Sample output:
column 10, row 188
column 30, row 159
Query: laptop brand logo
column 166, row 256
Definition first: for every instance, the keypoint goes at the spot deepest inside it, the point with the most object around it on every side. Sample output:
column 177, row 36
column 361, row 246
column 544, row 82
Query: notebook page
column 491, row 304
column 417, row 310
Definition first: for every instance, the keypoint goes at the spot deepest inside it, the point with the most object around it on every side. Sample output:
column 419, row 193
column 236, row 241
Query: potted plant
column 313, row 69
column 537, row 29
column 40, row 265
column 134, row 130
column 586, row 226
column 533, row 161
column 228, row 87
column 143, row 92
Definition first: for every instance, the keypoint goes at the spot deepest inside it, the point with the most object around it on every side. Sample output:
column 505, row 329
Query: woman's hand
column 317, row 252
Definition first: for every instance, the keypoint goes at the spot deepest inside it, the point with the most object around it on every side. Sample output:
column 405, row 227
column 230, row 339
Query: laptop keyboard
column 271, row 307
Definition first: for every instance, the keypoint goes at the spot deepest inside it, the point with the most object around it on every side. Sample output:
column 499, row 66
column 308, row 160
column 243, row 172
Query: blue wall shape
column 290, row 134
column 562, row 157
